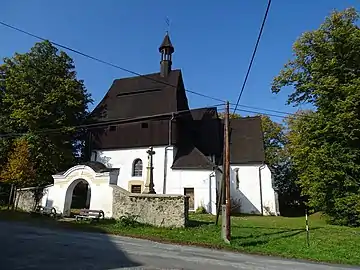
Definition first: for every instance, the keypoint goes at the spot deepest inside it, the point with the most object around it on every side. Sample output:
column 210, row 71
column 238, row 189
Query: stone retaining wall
column 161, row 210
column 25, row 199
column 155, row 209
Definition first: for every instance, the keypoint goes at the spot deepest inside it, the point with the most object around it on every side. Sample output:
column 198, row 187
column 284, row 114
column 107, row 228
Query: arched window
column 137, row 167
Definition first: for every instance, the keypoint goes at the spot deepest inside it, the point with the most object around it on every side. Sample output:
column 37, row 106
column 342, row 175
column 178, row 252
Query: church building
column 187, row 144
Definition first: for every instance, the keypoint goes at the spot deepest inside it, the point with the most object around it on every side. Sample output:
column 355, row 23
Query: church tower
column 166, row 49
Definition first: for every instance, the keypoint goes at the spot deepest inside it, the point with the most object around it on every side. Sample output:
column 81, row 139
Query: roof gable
column 246, row 141
column 142, row 96
column 191, row 158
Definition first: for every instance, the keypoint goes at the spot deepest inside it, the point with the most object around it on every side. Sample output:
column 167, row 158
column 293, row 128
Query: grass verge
column 277, row 236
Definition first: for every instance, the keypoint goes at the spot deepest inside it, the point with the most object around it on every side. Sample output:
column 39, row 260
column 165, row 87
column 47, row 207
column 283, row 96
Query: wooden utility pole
column 227, row 172
column 226, row 209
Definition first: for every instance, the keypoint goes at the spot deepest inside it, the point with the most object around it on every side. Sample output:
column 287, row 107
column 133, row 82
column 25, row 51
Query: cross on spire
column 167, row 21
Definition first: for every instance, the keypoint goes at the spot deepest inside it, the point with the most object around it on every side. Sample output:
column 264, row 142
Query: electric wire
column 253, row 55
column 128, row 70
column 105, row 62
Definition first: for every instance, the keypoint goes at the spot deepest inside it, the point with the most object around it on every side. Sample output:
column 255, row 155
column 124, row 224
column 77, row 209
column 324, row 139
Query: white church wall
column 254, row 197
column 176, row 180
column 202, row 181
column 124, row 159
column 270, row 198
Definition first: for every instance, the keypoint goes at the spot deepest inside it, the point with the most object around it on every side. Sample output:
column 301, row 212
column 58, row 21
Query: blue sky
column 213, row 41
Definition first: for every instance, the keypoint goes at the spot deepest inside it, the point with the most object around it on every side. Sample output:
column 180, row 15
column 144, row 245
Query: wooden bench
column 47, row 211
column 89, row 214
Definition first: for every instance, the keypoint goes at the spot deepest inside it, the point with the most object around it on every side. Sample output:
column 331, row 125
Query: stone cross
column 149, row 184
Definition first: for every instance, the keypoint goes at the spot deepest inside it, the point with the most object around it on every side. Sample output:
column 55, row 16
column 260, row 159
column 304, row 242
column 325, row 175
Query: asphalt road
column 27, row 247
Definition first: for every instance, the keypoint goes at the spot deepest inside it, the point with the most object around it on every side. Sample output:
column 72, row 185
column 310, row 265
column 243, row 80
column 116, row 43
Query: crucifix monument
column 149, row 184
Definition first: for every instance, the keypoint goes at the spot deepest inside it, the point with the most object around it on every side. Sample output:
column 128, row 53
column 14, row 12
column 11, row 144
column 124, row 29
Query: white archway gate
column 99, row 179
column 70, row 193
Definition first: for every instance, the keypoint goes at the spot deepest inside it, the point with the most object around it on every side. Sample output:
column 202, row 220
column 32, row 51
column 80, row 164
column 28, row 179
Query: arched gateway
column 99, row 179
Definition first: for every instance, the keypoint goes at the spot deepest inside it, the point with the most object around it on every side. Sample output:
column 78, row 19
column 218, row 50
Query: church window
column 135, row 188
column 137, row 167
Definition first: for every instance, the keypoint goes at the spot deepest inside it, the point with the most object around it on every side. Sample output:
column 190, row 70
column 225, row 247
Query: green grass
column 278, row 236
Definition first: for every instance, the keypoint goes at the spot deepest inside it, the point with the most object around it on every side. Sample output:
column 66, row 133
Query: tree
column 19, row 169
column 41, row 91
column 4, row 143
column 274, row 140
column 324, row 143
column 231, row 115
column 278, row 159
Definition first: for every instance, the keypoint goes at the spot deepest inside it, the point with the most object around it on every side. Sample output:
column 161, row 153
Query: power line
column 275, row 115
column 253, row 55
column 268, row 114
column 262, row 113
column 262, row 109
column 104, row 124
column 130, row 71
column 101, row 123
column 105, row 62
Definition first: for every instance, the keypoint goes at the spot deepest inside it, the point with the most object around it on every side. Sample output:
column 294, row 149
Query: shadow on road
column 42, row 248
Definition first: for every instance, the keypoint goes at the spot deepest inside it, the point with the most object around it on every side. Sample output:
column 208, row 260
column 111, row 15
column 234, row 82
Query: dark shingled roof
column 246, row 141
column 140, row 96
column 95, row 165
column 197, row 134
column 191, row 158
column 98, row 166
column 207, row 133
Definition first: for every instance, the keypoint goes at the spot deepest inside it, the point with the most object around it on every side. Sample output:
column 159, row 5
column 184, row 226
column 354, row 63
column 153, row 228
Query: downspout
column 210, row 188
column 166, row 148
column 260, row 185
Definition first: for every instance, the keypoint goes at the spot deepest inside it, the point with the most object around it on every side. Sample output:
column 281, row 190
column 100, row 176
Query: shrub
column 201, row 210
column 129, row 220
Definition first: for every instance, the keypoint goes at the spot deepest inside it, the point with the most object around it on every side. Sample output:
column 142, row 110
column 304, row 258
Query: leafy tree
column 19, row 169
column 324, row 144
column 274, row 140
column 278, row 158
column 40, row 92
column 4, row 144
column 231, row 115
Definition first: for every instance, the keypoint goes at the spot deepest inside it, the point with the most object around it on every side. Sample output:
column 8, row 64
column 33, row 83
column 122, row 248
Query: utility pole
column 226, row 209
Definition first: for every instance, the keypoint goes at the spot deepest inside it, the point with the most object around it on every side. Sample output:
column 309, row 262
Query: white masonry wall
column 59, row 195
column 124, row 159
column 255, row 194
column 203, row 181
